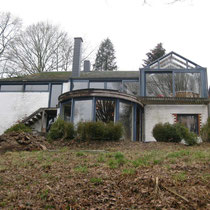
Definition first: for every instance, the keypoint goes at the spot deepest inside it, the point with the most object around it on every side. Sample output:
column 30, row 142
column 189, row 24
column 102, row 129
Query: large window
column 126, row 118
column 159, row 84
column 36, row 88
column 187, row 85
column 77, row 85
column 66, row 111
column 82, row 111
column 105, row 110
column 131, row 87
column 12, row 88
column 190, row 121
column 56, row 90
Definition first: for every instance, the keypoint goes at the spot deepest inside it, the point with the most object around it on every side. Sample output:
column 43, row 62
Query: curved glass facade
column 106, row 110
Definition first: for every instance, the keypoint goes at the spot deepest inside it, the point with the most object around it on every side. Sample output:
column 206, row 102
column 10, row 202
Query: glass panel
column 190, row 121
column 66, row 111
column 55, row 92
column 126, row 118
column 187, row 85
column 77, row 85
column 97, row 85
column 131, row 87
column 36, row 88
column 114, row 85
column 105, row 110
column 11, row 87
column 82, row 111
column 159, row 85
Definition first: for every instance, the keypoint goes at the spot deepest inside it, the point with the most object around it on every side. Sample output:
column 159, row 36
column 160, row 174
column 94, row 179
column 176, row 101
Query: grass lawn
column 112, row 175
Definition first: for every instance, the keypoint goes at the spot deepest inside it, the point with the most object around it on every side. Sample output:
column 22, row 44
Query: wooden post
column 43, row 129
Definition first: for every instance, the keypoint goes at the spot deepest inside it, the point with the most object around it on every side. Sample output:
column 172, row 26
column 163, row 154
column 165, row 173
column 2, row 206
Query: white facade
column 165, row 113
column 15, row 106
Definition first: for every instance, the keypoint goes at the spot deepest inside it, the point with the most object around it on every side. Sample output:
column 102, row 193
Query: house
column 170, row 89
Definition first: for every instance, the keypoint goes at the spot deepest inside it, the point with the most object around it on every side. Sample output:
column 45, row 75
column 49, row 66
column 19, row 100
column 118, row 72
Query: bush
column 174, row 133
column 20, row 127
column 205, row 131
column 191, row 139
column 99, row 131
column 61, row 129
column 113, row 131
column 166, row 133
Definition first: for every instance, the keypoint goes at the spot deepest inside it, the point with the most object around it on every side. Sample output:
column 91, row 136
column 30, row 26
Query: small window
column 77, row 85
column 190, row 121
column 36, row 88
column 12, row 88
column 97, row 85
column 66, row 111
column 114, row 85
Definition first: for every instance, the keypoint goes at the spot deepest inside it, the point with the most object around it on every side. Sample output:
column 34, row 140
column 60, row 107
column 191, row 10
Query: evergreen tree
column 154, row 54
column 105, row 57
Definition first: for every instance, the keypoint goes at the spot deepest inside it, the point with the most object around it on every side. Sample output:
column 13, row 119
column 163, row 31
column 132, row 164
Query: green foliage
column 174, row 133
column 166, row 133
column 129, row 171
column 99, row 131
column 20, row 127
column 117, row 161
column 61, row 129
column 105, row 57
column 96, row 180
column 205, row 131
column 80, row 154
column 154, row 54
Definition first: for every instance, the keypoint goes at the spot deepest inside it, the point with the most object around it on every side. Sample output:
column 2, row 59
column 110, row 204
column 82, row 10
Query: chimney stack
column 77, row 57
column 86, row 66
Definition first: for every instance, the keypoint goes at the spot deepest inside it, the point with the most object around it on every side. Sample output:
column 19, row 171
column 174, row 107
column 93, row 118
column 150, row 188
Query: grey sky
column 134, row 28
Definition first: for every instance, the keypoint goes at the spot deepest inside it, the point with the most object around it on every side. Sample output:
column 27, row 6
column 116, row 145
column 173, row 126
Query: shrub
column 61, row 129
column 191, row 139
column 174, row 133
column 113, row 131
column 166, row 133
column 20, row 127
column 99, row 131
column 90, row 130
column 205, row 131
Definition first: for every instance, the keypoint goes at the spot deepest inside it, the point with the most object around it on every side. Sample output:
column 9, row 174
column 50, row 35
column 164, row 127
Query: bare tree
column 9, row 28
column 41, row 47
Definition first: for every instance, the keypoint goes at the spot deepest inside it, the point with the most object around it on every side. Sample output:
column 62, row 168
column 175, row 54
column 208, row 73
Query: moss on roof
column 65, row 76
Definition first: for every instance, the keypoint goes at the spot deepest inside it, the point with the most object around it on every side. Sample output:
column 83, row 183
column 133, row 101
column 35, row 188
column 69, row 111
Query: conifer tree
column 105, row 57
column 154, row 54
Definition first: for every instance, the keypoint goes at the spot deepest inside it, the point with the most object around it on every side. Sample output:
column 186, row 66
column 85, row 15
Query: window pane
column 105, row 110
column 99, row 85
column 126, row 118
column 187, row 85
column 36, row 87
column 55, row 92
column 190, row 121
column 82, row 111
column 80, row 85
column 11, row 87
column 66, row 111
column 114, row 85
column 131, row 88
column 159, row 85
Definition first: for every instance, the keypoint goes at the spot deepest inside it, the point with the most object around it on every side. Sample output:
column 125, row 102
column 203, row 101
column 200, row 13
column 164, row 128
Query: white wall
column 164, row 113
column 15, row 106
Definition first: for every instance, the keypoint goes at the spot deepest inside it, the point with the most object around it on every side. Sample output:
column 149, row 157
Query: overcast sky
column 133, row 28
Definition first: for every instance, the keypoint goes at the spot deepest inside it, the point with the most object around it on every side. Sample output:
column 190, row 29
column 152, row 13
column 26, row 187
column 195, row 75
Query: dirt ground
column 106, row 175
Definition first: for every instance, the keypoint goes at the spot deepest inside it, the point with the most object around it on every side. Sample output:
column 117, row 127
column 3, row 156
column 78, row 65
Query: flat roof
column 65, row 76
